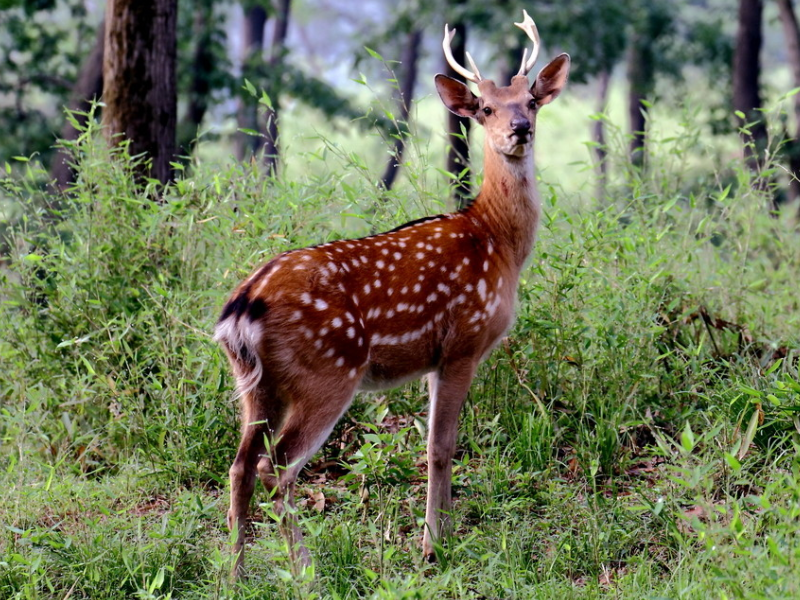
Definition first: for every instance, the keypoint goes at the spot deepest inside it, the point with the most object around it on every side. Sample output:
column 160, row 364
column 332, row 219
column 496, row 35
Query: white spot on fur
column 367, row 288
column 339, row 361
column 482, row 289
column 397, row 256
column 305, row 298
column 320, row 304
column 336, row 322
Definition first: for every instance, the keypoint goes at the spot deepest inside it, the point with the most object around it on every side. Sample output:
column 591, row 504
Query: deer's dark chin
column 517, row 150
column 512, row 147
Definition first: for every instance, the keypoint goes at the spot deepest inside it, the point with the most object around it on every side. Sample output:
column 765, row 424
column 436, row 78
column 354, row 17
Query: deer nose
column 521, row 126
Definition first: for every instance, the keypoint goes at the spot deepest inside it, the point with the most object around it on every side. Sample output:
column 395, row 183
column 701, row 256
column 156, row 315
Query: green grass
column 635, row 437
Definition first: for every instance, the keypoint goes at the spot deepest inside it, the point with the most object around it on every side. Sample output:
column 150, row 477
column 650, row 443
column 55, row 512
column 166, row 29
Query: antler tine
column 448, row 53
column 529, row 27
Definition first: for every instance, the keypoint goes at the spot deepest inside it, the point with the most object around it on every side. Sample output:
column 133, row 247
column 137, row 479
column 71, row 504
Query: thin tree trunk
column 277, row 52
column 139, row 80
column 640, row 82
column 746, row 70
column 88, row 87
column 246, row 145
column 791, row 32
column 599, row 132
column 458, row 152
column 407, row 82
column 200, row 86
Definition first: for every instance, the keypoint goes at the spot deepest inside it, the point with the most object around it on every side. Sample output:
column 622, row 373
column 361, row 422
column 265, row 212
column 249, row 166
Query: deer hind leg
column 260, row 409
column 448, row 390
column 315, row 411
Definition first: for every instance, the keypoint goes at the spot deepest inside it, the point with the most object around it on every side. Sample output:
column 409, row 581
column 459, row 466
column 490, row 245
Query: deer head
column 508, row 113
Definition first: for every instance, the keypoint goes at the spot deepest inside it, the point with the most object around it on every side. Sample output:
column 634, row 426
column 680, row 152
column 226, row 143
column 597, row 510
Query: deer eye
column 487, row 111
column 532, row 104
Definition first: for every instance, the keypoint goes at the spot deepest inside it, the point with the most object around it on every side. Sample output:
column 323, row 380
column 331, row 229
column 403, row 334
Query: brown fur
column 310, row 328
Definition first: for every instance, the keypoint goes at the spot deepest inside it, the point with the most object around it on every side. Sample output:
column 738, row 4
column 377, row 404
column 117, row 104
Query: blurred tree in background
column 139, row 89
column 42, row 45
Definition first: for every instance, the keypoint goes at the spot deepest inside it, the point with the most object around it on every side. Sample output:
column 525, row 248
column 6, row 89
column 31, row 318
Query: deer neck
column 508, row 204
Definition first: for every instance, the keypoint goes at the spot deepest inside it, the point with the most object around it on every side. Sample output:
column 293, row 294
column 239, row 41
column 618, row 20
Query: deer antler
column 475, row 76
column 529, row 27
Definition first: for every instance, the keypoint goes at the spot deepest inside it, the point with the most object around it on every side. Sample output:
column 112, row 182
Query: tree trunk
column 277, row 52
column 407, row 82
column 599, row 132
column 458, row 152
column 246, row 145
column 640, row 85
column 746, row 70
column 139, row 80
column 791, row 32
column 200, row 86
column 88, row 87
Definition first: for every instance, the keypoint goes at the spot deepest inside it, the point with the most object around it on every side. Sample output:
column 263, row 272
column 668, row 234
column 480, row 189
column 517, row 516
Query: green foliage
column 635, row 437
column 42, row 45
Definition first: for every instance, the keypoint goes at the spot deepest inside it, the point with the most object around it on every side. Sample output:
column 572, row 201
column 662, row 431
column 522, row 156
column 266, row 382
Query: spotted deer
column 310, row 328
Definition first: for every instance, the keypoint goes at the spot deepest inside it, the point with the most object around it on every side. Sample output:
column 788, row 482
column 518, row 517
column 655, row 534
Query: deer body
column 307, row 330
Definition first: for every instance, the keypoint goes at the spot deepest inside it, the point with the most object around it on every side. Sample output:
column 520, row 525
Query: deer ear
column 551, row 80
column 457, row 97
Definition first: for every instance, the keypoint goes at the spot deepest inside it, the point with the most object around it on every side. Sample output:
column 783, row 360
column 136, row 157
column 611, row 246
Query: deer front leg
column 448, row 389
